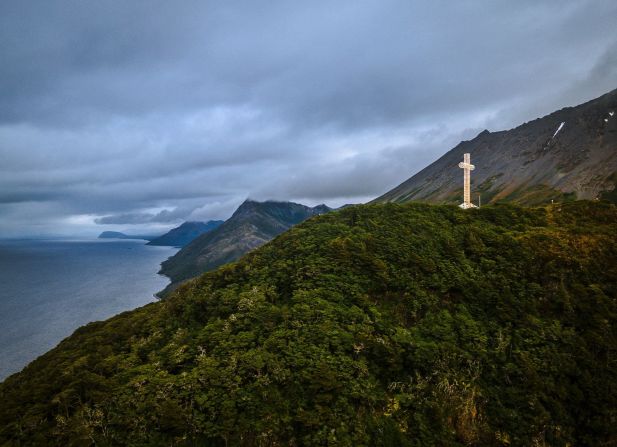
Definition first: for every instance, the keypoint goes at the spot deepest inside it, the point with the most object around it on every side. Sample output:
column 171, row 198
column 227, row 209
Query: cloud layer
column 143, row 114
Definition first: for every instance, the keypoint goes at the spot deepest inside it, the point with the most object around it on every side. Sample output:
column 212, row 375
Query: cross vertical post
column 467, row 168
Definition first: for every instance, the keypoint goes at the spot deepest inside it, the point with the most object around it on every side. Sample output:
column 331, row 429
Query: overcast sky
column 137, row 115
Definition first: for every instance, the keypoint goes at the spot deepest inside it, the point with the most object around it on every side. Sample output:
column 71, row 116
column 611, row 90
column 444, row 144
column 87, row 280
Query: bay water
column 49, row 288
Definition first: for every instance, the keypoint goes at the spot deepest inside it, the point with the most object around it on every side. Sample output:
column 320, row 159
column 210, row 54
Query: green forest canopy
column 382, row 325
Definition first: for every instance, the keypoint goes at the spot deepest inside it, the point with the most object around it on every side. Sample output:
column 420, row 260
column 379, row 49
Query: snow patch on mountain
column 558, row 129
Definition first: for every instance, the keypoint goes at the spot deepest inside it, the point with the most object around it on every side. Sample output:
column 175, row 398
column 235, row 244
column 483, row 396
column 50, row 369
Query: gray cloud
column 163, row 216
column 146, row 113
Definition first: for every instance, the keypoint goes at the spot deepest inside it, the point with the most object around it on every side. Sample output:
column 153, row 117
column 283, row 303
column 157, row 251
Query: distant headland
column 119, row 235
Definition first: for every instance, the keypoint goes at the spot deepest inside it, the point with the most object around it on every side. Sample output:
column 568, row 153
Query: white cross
column 467, row 168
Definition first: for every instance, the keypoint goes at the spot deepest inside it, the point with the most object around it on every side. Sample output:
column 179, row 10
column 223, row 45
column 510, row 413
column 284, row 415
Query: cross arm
column 466, row 166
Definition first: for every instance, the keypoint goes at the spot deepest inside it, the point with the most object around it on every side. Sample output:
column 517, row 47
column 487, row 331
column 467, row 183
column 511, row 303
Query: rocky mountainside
column 252, row 224
column 567, row 155
column 185, row 233
column 377, row 325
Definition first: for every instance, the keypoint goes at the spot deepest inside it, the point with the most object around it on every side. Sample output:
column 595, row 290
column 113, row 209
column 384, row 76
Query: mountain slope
column 531, row 164
column 185, row 233
column 380, row 325
column 252, row 225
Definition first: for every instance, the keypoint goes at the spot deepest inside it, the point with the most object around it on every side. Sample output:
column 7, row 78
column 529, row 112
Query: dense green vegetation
column 382, row 325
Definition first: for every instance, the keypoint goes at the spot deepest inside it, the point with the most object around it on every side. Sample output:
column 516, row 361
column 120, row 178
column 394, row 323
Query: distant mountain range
column 185, row 233
column 567, row 155
column 118, row 235
column 252, row 225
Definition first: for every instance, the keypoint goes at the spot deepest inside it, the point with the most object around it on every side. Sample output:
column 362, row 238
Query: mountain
column 567, row 155
column 185, row 233
column 118, row 235
column 380, row 325
column 252, row 224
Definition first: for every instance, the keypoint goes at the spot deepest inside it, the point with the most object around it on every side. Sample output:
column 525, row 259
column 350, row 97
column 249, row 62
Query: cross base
column 467, row 205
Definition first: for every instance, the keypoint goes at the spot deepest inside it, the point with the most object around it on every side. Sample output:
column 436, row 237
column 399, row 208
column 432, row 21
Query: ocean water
column 50, row 288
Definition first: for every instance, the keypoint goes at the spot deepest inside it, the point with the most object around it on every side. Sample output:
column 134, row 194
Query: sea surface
column 50, row 288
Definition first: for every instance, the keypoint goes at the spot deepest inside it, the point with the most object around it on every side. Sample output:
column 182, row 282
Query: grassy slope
column 376, row 325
